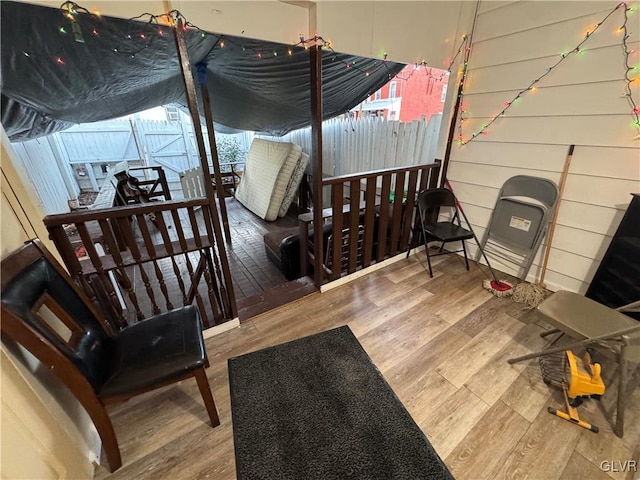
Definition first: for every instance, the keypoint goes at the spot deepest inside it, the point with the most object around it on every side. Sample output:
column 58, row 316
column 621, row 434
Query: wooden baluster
column 303, row 235
column 193, row 292
column 199, row 272
column 224, row 292
column 207, row 264
column 88, row 289
column 67, row 252
column 168, row 245
column 123, row 277
column 354, row 222
column 151, row 251
column 408, row 208
column 424, row 178
column 211, row 280
column 369, row 221
column 383, row 223
column 337, row 200
column 60, row 239
column 433, row 176
column 129, row 237
column 114, row 310
column 396, row 213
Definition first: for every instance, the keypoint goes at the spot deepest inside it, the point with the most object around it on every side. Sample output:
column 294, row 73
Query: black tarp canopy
column 58, row 71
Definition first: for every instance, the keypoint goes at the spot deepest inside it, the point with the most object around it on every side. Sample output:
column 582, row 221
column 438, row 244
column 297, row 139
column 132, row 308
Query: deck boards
column 251, row 269
column 252, row 272
column 487, row 419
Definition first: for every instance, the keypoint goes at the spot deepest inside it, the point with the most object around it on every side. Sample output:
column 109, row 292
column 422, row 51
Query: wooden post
column 456, row 108
column 315, row 59
column 452, row 129
column 192, row 103
column 208, row 117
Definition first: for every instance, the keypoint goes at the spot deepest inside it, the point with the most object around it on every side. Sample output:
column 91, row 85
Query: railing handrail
column 374, row 173
column 123, row 211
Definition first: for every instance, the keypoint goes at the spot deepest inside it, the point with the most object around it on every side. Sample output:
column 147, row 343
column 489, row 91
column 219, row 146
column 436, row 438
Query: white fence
column 370, row 143
column 79, row 158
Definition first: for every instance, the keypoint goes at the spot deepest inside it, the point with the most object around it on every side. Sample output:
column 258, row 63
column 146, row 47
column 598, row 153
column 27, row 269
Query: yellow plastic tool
column 581, row 380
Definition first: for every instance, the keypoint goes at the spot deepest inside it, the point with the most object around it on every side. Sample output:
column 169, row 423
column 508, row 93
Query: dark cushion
column 283, row 248
column 155, row 350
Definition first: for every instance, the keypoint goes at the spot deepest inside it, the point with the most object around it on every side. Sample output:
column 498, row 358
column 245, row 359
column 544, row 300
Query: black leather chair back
column 41, row 299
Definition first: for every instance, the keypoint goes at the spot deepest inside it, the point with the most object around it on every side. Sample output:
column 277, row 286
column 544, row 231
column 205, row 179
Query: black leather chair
column 431, row 203
column 46, row 313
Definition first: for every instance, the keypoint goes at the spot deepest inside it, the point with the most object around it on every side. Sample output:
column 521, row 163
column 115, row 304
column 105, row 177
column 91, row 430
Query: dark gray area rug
column 318, row 408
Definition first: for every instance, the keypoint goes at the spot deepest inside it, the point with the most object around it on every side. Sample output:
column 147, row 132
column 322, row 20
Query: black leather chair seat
column 447, row 231
column 155, row 350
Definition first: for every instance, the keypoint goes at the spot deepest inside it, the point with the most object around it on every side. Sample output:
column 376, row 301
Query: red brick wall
column 421, row 92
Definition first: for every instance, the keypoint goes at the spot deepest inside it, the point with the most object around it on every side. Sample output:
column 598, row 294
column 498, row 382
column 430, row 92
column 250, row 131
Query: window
column 378, row 95
column 392, row 89
column 172, row 114
column 444, row 93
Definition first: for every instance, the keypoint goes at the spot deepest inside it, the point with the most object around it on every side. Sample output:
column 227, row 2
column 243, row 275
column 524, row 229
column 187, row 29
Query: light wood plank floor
column 442, row 345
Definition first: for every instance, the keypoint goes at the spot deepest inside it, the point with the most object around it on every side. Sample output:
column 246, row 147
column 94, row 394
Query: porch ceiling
column 57, row 72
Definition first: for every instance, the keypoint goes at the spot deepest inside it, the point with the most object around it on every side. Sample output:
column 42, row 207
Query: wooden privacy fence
column 372, row 216
column 139, row 260
column 371, row 143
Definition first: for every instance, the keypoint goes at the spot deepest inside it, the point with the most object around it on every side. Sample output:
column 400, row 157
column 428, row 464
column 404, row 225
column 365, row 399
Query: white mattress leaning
column 294, row 183
column 280, row 187
column 261, row 177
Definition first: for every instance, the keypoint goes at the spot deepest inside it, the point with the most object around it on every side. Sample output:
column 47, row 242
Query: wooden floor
column 251, row 269
column 441, row 343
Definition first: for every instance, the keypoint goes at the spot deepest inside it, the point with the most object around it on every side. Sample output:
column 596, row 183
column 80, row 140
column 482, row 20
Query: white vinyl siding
column 581, row 102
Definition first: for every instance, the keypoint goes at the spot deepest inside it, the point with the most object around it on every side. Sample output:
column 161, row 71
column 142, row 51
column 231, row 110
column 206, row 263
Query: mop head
column 530, row 294
column 499, row 288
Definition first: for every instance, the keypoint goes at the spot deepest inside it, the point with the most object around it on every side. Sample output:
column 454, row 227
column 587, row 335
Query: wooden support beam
column 315, row 59
column 192, row 103
column 208, row 117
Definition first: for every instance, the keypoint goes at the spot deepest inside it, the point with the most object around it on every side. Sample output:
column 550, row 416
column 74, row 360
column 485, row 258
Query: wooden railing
column 139, row 260
column 376, row 221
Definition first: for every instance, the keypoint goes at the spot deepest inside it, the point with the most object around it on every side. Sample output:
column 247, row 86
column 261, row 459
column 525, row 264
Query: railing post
column 190, row 91
column 208, row 118
column 315, row 59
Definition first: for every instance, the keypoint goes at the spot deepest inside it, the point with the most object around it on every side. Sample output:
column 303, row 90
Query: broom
column 532, row 294
column 500, row 288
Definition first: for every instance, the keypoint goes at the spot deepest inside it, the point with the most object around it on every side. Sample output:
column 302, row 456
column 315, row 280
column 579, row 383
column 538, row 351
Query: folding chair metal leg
column 622, row 390
column 466, row 260
column 426, row 248
column 550, row 332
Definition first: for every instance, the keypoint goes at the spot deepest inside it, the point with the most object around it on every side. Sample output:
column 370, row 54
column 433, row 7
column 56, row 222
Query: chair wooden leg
column 207, row 396
column 103, row 425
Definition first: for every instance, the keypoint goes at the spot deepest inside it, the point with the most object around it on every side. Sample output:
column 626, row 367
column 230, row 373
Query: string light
column 532, row 88
column 136, row 42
